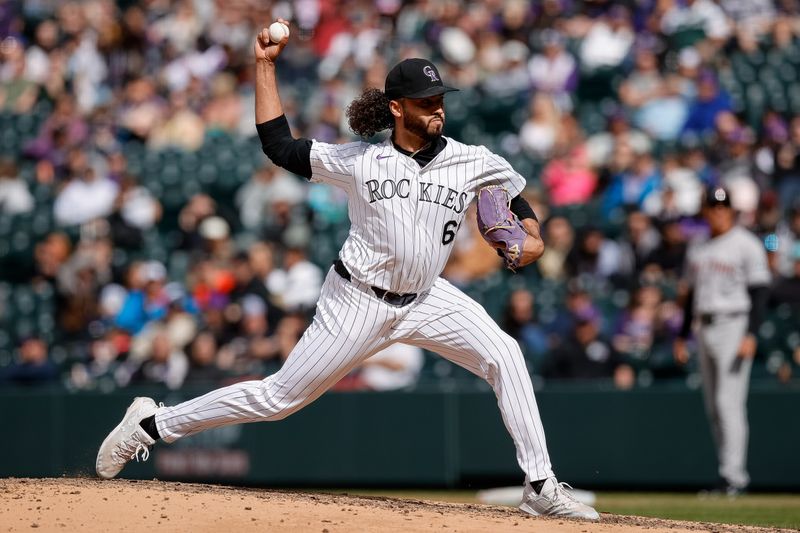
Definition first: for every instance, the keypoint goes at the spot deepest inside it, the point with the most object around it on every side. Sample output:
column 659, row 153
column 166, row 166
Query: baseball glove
column 499, row 226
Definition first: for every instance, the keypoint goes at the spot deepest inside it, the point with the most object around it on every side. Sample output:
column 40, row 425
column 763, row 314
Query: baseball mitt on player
column 499, row 226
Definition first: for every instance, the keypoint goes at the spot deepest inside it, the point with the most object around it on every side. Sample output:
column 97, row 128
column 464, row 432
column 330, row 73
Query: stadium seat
column 178, row 265
column 793, row 94
column 24, row 327
column 686, row 36
column 591, row 118
column 743, row 71
column 5, row 341
column 170, row 174
column 756, row 101
column 787, row 72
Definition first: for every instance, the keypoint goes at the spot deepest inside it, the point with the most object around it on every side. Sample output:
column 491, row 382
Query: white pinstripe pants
column 350, row 325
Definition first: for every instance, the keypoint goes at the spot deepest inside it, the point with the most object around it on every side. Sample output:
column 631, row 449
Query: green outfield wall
column 651, row 438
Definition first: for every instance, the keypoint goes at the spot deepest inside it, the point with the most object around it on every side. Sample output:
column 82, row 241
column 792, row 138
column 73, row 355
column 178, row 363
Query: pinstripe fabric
column 350, row 325
column 399, row 213
column 450, row 323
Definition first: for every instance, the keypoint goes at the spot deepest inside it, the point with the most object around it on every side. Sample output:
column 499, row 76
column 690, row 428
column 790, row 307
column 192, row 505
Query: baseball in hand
column 277, row 31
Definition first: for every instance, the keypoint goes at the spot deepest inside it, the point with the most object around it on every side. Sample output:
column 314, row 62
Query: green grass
column 766, row 510
column 769, row 510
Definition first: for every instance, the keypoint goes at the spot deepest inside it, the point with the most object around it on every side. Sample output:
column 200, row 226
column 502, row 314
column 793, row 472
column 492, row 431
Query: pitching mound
column 91, row 505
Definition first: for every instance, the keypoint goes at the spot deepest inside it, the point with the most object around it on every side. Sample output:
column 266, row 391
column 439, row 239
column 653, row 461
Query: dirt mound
column 91, row 505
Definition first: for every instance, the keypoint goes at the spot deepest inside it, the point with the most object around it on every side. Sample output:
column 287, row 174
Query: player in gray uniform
column 729, row 277
column 407, row 197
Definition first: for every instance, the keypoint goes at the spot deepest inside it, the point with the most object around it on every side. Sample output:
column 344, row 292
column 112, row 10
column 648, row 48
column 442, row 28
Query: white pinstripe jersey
column 403, row 217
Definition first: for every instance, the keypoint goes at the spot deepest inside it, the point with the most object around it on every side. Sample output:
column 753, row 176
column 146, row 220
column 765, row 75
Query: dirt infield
column 90, row 505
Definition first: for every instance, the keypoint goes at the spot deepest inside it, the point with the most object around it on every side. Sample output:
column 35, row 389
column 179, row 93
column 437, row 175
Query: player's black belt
column 710, row 318
column 392, row 298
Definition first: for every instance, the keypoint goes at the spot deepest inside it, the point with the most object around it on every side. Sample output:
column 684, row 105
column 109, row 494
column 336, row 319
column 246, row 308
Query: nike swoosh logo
column 383, row 156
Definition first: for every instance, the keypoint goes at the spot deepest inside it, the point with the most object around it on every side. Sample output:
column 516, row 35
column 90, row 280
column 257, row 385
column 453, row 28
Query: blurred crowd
column 619, row 114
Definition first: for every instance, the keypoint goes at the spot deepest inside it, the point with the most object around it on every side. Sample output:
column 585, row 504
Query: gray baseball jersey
column 721, row 269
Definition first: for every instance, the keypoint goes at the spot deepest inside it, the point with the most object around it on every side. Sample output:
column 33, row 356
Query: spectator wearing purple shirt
column 711, row 100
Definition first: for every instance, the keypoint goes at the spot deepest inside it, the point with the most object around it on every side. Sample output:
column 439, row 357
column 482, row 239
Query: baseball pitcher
column 407, row 197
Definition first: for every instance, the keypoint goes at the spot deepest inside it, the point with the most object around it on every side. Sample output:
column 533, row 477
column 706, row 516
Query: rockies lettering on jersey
column 389, row 188
column 400, row 212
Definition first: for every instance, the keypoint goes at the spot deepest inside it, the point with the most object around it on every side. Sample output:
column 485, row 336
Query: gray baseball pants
column 725, row 384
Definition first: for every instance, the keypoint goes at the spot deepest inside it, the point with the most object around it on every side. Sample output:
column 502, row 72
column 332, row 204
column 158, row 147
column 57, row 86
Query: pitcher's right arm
column 273, row 128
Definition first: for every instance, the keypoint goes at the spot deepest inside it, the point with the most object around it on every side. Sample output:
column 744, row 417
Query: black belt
column 709, row 318
column 398, row 300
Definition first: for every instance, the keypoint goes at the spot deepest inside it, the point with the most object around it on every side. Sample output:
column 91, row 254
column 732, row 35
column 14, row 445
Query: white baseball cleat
column 127, row 440
column 555, row 500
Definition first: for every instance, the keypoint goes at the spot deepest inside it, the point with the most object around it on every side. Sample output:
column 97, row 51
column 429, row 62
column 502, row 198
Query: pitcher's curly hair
column 369, row 113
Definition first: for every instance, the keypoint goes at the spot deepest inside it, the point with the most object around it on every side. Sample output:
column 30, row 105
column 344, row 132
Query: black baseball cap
column 414, row 78
column 718, row 196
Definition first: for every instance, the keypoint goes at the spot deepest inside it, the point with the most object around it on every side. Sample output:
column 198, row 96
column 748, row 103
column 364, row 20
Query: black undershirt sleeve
column 688, row 315
column 285, row 151
column 759, row 294
column 521, row 208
